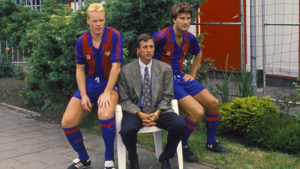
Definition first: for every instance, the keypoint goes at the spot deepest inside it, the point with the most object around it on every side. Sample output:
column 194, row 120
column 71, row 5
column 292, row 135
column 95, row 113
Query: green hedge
column 259, row 123
column 6, row 69
column 51, row 75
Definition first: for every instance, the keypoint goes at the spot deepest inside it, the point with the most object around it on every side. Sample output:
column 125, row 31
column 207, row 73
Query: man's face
column 96, row 21
column 146, row 51
column 182, row 22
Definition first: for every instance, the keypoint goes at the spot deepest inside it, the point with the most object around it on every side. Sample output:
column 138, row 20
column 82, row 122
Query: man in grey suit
column 146, row 91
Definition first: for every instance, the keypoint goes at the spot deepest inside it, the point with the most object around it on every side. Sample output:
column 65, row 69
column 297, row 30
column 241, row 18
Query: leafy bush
column 276, row 133
column 14, row 21
column 242, row 114
column 287, row 102
column 51, row 75
column 6, row 69
column 19, row 72
column 259, row 123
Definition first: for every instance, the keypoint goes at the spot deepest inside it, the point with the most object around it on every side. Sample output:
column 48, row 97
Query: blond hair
column 94, row 7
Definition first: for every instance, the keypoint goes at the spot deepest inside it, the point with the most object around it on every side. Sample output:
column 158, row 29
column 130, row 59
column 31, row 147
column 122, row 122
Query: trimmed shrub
column 242, row 114
column 259, row 123
column 276, row 133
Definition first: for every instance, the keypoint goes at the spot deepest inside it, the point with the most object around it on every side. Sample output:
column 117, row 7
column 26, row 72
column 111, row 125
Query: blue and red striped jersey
column 167, row 50
column 98, row 62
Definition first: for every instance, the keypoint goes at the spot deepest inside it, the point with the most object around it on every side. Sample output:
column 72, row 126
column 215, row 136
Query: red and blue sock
column 211, row 120
column 108, row 128
column 188, row 130
column 76, row 140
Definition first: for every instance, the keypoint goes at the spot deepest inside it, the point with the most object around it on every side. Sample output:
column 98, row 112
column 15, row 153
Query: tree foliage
column 51, row 75
column 15, row 20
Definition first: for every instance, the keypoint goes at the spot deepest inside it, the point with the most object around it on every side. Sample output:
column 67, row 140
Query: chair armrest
column 174, row 103
column 118, row 116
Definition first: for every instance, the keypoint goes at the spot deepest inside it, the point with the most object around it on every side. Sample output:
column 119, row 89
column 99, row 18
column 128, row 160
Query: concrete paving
column 26, row 143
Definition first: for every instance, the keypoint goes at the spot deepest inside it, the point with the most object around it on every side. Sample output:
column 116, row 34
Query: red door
column 221, row 41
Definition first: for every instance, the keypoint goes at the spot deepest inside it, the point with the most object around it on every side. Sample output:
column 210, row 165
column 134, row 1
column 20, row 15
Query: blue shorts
column 95, row 86
column 184, row 88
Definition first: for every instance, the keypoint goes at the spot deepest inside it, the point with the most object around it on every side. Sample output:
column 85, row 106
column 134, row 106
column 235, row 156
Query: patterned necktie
column 146, row 92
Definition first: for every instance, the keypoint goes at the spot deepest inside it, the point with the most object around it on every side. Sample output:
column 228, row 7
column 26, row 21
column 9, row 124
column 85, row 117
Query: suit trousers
column 170, row 121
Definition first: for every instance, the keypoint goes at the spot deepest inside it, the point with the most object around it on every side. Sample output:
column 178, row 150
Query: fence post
column 242, row 38
column 74, row 5
column 23, row 55
column 6, row 48
column 12, row 54
column 1, row 52
column 264, row 48
column 253, row 43
column 18, row 54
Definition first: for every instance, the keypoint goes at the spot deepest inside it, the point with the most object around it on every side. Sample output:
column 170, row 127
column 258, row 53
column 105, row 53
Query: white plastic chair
column 157, row 138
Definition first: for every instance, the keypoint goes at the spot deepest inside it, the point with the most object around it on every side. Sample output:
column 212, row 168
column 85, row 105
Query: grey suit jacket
column 130, row 87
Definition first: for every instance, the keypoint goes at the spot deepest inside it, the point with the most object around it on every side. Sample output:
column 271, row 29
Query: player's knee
column 215, row 103
column 196, row 117
column 104, row 115
column 68, row 122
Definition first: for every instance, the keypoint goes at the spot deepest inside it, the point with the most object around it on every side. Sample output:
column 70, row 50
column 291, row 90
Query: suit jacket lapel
column 155, row 78
column 137, row 80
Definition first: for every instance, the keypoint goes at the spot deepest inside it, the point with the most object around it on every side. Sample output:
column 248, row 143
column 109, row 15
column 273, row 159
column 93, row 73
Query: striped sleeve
column 79, row 58
column 117, row 47
column 194, row 45
column 160, row 39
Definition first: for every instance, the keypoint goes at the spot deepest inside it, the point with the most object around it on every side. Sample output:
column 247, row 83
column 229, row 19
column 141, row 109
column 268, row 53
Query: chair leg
column 179, row 156
column 121, row 147
column 158, row 143
column 121, row 153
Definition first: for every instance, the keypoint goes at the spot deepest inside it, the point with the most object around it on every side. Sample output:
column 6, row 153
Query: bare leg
column 73, row 114
column 108, row 127
column 71, row 118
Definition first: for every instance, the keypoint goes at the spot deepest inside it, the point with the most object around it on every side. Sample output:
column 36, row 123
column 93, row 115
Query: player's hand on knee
column 188, row 77
column 86, row 103
column 104, row 100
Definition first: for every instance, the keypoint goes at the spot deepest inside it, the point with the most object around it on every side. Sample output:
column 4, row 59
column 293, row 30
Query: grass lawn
column 240, row 156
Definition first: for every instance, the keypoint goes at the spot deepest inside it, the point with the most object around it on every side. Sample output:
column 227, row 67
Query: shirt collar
column 104, row 37
column 173, row 35
column 142, row 65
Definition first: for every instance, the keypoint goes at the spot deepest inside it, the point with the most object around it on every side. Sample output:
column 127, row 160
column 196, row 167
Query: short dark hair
column 143, row 37
column 180, row 7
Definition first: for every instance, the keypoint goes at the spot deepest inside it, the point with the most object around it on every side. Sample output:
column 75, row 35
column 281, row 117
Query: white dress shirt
column 142, row 69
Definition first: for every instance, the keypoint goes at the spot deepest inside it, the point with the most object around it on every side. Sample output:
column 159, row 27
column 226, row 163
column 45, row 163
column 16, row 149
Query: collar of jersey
column 104, row 37
column 173, row 35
